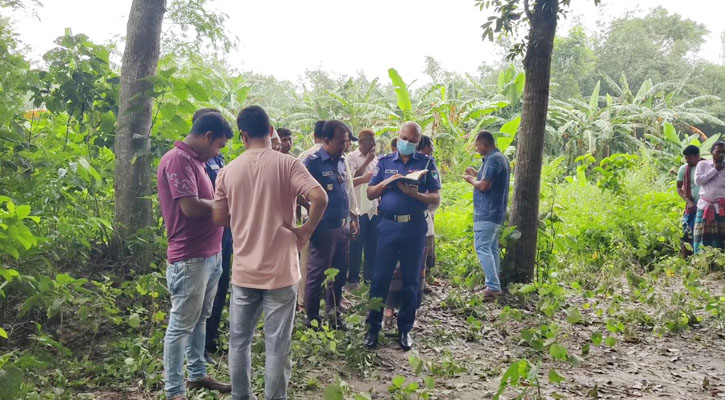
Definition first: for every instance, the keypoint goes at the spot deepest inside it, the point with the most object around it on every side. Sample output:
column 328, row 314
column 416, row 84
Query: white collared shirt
column 357, row 159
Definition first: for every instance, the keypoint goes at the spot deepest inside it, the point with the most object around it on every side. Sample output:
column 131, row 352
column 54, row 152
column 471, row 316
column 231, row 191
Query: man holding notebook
column 407, row 183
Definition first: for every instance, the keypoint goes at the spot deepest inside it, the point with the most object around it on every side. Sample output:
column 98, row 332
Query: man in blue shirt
column 401, row 230
column 213, row 166
column 329, row 242
column 490, row 198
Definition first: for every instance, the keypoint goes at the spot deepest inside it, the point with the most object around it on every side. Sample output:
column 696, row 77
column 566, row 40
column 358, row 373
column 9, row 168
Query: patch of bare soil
column 467, row 365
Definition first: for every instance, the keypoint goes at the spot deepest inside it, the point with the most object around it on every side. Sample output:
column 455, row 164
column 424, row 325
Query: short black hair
column 203, row 111
column 718, row 143
column 318, row 128
column 284, row 132
column 213, row 122
column 332, row 126
column 691, row 150
column 425, row 141
column 253, row 120
column 485, row 136
column 394, row 143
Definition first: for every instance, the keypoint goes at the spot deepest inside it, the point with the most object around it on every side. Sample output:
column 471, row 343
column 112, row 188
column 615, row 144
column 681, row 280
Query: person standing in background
column 490, row 199
column 285, row 136
column 690, row 192
column 213, row 166
column 363, row 162
column 194, row 252
column 426, row 147
column 329, row 242
column 710, row 218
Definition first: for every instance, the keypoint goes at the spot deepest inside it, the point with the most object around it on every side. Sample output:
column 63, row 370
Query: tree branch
column 527, row 9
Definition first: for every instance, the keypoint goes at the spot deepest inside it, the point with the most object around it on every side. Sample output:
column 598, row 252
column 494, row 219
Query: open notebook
column 412, row 178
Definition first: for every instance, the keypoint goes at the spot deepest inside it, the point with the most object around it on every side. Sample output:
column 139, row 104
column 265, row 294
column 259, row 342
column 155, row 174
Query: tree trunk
column 521, row 254
column 133, row 210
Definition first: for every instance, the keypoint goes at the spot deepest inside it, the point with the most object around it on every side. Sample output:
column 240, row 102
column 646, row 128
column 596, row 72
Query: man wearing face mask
column 402, row 229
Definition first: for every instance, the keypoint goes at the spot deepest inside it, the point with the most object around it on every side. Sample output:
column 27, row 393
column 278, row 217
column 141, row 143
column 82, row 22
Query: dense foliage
column 74, row 319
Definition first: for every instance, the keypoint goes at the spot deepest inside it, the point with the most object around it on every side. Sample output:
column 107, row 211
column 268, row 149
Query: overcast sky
column 285, row 37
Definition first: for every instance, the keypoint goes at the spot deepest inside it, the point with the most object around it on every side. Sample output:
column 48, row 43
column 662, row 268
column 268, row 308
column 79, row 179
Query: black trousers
column 328, row 249
column 212, row 324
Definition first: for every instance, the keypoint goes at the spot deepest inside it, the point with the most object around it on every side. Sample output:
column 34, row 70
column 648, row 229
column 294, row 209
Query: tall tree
column 658, row 46
column 541, row 18
column 133, row 160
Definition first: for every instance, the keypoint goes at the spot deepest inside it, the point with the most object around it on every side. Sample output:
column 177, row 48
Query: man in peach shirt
column 255, row 196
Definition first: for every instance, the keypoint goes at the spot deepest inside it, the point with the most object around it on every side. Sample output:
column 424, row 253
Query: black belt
column 404, row 217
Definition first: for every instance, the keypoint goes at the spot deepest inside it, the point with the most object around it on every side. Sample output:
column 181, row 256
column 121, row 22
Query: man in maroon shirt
column 194, row 252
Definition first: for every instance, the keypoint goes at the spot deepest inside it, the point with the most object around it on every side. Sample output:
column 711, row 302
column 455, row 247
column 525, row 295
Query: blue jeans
column 485, row 240
column 192, row 284
column 279, row 313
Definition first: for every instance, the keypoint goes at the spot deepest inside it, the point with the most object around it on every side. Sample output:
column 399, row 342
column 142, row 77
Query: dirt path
column 466, row 365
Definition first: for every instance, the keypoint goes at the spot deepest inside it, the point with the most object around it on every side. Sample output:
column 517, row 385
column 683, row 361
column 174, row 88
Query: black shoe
column 338, row 324
column 405, row 341
column 209, row 359
column 371, row 340
column 316, row 327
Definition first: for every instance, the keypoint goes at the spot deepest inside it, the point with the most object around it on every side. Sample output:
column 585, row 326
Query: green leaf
column 430, row 382
column 3, row 334
column 333, row 392
column 597, row 338
column 558, row 352
column 197, row 91
column 670, row 133
column 529, row 288
column 363, row 396
column 573, row 316
column 134, row 321
column 242, row 95
column 594, row 98
column 705, row 146
column 511, row 127
column 611, row 341
column 22, row 211
column 554, row 377
column 398, row 381
column 401, row 92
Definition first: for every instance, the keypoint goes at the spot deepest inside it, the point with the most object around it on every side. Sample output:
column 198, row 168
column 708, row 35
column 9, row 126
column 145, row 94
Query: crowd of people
column 701, row 183
column 275, row 225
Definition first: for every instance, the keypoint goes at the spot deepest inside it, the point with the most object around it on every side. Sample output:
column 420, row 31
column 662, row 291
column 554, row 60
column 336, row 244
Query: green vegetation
column 81, row 319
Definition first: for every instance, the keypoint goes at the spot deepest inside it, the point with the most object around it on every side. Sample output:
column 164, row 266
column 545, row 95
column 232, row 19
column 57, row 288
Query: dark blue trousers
column 367, row 240
column 402, row 241
column 212, row 324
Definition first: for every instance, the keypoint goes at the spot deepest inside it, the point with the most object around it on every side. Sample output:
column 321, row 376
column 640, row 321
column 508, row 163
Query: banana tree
column 357, row 106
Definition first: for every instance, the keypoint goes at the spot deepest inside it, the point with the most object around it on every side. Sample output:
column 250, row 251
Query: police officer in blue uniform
column 213, row 166
column 401, row 230
column 329, row 242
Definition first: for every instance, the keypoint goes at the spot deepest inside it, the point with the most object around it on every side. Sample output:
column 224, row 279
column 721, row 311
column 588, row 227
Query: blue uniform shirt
column 331, row 174
column 491, row 206
column 213, row 166
column 393, row 201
